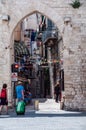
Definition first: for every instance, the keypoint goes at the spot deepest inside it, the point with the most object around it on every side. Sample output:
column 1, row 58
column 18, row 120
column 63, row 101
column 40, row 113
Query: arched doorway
column 44, row 43
column 73, row 44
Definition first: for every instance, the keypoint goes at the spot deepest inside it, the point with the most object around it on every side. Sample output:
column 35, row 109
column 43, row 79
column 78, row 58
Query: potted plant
column 75, row 4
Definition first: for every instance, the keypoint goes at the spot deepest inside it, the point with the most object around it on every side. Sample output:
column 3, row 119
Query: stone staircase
column 49, row 105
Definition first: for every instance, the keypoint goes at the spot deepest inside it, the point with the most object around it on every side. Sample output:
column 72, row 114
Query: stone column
column 51, row 73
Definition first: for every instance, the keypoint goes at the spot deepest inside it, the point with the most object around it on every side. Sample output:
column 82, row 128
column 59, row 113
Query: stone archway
column 59, row 39
column 16, row 15
column 52, row 17
column 73, row 69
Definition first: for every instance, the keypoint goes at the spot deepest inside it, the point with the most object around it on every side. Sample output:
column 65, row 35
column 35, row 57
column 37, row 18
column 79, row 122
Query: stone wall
column 72, row 26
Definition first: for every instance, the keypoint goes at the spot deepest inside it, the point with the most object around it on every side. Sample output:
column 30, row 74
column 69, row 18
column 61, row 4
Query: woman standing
column 57, row 91
column 3, row 96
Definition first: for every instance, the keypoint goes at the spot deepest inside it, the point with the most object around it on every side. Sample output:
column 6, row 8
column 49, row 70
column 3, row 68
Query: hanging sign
column 14, row 77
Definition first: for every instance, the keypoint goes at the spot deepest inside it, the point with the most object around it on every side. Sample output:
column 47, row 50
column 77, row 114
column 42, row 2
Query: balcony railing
column 49, row 34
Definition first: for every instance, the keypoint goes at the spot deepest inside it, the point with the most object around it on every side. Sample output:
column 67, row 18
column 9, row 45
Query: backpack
column 3, row 93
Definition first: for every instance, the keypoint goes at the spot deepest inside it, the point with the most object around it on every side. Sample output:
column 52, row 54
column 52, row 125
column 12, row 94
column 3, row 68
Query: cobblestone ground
column 48, row 117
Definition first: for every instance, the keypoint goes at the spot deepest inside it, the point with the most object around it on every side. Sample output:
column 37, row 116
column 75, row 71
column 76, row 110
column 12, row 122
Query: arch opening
column 38, row 51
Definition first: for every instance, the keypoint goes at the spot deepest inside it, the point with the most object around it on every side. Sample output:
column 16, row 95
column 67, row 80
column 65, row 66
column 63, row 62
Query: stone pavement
column 48, row 117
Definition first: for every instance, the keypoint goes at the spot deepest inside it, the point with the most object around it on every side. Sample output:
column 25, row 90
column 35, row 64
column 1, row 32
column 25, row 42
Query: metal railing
column 49, row 34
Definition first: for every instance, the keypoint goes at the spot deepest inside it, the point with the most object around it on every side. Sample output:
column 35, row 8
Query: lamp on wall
column 67, row 20
column 5, row 17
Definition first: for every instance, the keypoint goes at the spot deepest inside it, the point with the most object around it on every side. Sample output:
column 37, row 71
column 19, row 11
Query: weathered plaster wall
column 74, row 42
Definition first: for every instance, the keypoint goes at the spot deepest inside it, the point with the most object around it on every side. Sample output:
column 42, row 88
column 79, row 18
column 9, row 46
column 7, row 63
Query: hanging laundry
column 33, row 35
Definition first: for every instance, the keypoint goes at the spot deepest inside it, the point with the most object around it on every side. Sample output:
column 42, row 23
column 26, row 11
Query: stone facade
column 72, row 26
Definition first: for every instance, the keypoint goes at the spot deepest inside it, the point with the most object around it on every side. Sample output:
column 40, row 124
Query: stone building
column 71, row 23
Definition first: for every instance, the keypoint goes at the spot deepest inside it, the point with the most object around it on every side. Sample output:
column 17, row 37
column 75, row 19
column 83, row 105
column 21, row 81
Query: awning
column 20, row 49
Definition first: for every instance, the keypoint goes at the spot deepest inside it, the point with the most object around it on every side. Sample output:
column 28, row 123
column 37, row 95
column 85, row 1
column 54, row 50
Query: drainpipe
column 51, row 73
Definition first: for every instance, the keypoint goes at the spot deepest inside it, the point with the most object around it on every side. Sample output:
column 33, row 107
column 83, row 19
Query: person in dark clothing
column 27, row 96
column 57, row 91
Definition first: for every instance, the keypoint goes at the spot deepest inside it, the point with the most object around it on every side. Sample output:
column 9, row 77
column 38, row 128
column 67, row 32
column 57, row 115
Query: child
column 27, row 96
